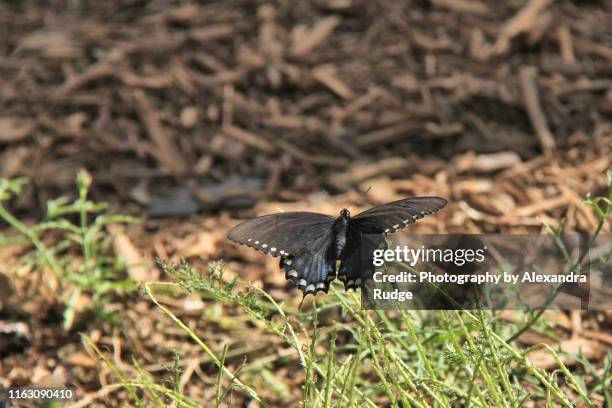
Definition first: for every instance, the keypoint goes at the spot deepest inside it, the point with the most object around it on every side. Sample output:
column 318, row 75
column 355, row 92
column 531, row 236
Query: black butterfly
column 309, row 244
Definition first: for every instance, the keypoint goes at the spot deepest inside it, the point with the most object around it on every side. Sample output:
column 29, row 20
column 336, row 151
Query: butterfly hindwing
column 312, row 270
column 282, row 234
column 391, row 217
column 356, row 265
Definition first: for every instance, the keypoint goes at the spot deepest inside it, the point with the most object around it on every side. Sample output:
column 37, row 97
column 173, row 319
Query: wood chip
column 387, row 134
column 486, row 163
column 203, row 245
column 308, row 41
column 138, row 268
column 540, row 207
column 326, row 74
column 521, row 22
column 565, row 44
column 13, row 129
column 166, row 150
column 534, row 109
column 597, row 335
column 464, row 6
column 58, row 44
column 591, row 349
column 248, row 138
column 360, row 172
column 299, row 154
column 81, row 359
column 91, row 73
column 360, row 103
column 589, row 47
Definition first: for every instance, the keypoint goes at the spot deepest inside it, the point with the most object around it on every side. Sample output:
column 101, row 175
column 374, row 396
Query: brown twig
column 167, row 153
column 308, row 41
column 534, row 110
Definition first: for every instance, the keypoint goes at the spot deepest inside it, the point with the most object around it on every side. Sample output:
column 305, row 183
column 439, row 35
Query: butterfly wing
column 303, row 240
column 313, row 268
column 281, row 234
column 367, row 232
column 356, row 265
column 391, row 217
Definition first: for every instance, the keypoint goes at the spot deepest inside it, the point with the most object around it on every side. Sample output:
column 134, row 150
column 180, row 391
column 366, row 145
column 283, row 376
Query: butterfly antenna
column 354, row 202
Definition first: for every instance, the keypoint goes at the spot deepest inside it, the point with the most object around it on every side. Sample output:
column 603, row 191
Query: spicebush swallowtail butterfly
column 309, row 244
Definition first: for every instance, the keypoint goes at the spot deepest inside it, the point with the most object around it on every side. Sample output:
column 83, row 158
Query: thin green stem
column 248, row 390
column 501, row 372
column 25, row 230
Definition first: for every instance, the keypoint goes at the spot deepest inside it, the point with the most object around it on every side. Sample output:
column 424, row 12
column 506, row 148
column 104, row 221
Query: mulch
column 239, row 107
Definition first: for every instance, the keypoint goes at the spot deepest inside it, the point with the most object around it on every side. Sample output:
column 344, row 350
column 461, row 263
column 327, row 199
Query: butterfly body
column 310, row 244
column 341, row 226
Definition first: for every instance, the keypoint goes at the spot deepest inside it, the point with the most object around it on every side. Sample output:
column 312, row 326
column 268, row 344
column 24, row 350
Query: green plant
column 72, row 243
column 406, row 358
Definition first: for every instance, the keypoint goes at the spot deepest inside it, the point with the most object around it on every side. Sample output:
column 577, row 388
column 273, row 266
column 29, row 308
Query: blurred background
column 192, row 115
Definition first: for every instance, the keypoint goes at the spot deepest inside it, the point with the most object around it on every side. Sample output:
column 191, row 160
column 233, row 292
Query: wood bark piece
column 248, row 138
column 13, row 129
column 326, row 74
column 590, row 349
column 387, row 134
column 523, row 21
column 464, row 6
column 168, row 154
column 361, row 171
column 534, row 109
column 308, row 41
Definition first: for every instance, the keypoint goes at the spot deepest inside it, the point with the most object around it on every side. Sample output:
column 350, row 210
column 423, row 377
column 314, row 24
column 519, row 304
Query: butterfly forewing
column 303, row 240
column 391, row 217
column 282, row 234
